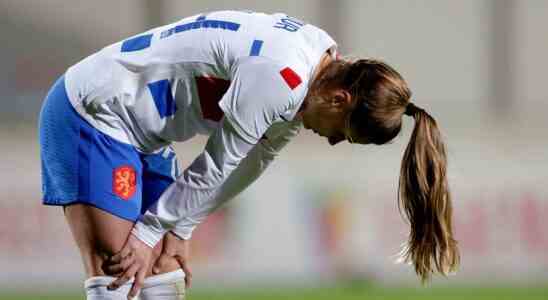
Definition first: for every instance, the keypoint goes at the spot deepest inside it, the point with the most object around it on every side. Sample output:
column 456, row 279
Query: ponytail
column 423, row 193
column 382, row 97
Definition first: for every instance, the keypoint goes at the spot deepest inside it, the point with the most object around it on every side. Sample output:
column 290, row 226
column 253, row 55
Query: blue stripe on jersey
column 256, row 48
column 137, row 43
column 208, row 24
column 161, row 93
column 202, row 23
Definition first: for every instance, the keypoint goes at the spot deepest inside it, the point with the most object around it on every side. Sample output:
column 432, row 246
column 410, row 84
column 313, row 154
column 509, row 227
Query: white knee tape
column 96, row 289
column 167, row 286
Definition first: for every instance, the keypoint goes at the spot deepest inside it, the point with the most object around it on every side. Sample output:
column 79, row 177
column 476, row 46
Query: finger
column 137, row 284
column 186, row 269
column 130, row 273
column 118, row 257
column 120, row 267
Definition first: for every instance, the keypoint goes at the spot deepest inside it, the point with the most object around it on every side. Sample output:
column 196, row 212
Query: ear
column 341, row 98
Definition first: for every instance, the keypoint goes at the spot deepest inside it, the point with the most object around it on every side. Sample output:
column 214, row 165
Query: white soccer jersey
column 239, row 77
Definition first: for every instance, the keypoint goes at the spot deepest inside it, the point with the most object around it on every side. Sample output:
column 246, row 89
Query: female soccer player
column 248, row 80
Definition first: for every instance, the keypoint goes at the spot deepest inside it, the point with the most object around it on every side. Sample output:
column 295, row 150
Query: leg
column 98, row 180
column 170, row 285
column 67, row 146
column 166, row 286
column 99, row 235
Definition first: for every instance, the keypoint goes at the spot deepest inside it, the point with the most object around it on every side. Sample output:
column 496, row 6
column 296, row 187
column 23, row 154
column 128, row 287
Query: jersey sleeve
column 254, row 101
column 249, row 170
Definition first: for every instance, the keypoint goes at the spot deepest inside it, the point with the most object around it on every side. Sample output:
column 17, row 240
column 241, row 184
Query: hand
column 177, row 248
column 132, row 261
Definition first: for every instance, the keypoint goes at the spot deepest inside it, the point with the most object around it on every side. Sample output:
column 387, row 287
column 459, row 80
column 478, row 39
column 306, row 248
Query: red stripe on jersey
column 210, row 91
column 290, row 77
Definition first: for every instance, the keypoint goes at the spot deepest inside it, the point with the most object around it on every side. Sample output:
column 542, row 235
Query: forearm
column 192, row 196
column 249, row 170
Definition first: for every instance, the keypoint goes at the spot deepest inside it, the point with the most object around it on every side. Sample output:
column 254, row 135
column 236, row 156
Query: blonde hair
column 383, row 97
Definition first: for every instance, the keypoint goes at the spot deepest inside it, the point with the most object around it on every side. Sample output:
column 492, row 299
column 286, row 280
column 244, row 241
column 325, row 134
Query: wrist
column 147, row 234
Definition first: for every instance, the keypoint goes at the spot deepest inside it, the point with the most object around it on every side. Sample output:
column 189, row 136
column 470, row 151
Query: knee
column 161, row 263
column 98, row 234
column 95, row 254
column 164, row 264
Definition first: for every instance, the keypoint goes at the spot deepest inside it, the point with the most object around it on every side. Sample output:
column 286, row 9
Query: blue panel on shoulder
column 137, row 43
column 161, row 93
column 256, row 48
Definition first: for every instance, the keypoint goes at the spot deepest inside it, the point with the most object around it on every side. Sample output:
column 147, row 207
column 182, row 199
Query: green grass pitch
column 338, row 293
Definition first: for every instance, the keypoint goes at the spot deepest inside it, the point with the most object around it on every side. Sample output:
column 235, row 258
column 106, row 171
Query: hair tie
column 411, row 109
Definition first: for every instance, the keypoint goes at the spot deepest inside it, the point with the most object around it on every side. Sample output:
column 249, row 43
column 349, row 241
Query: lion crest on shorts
column 124, row 182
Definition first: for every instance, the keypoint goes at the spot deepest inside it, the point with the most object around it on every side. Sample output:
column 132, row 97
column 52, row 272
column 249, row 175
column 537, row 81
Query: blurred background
column 323, row 222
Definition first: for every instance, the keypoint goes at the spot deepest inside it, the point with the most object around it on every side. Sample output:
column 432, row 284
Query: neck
column 324, row 61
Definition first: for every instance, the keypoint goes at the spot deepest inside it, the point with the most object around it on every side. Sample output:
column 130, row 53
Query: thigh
column 99, row 235
column 101, row 224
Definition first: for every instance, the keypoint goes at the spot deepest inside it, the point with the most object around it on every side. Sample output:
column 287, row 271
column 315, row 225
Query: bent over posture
column 249, row 81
